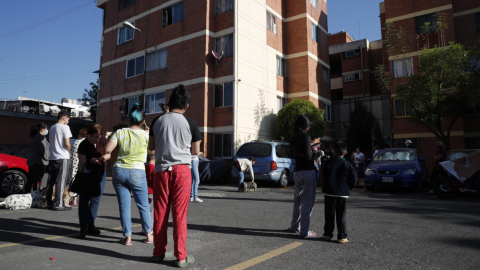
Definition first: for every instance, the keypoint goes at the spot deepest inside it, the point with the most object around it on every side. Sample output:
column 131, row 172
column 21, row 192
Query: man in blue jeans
column 241, row 166
column 196, row 141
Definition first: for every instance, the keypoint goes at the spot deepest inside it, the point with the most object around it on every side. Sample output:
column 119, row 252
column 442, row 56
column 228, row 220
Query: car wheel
column 283, row 181
column 12, row 182
column 369, row 188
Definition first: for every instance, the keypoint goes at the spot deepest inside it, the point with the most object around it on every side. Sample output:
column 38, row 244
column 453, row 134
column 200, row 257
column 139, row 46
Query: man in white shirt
column 358, row 159
column 241, row 166
column 59, row 137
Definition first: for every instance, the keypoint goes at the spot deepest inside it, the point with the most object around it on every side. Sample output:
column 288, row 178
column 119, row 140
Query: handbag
column 87, row 183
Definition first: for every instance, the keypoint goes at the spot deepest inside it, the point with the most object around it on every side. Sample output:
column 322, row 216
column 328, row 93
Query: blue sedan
column 399, row 167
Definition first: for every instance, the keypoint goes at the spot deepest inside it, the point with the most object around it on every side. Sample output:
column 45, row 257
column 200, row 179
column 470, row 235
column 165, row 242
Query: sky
column 49, row 49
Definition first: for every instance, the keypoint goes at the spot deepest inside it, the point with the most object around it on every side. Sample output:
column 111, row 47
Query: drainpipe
column 236, row 90
column 363, row 73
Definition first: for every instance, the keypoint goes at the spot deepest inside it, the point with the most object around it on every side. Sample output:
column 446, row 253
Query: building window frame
column 352, row 77
column 224, row 150
column 158, row 97
column 351, row 54
column 125, row 33
column 406, row 65
column 128, row 103
column 406, row 112
column 223, row 42
column 315, row 32
column 222, row 6
column 328, row 112
column 136, row 66
column 171, row 10
column 220, row 98
column 281, row 103
column 281, row 66
column 314, row 3
column 421, row 20
column 125, row 3
column 326, row 75
column 160, row 56
column 271, row 22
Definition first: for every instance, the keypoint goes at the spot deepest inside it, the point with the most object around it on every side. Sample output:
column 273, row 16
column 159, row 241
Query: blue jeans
column 195, row 179
column 135, row 181
column 88, row 207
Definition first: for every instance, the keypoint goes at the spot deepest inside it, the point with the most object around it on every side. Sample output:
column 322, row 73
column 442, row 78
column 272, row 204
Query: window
column 173, row 14
column 326, row 75
column 272, row 22
column 255, row 150
column 315, row 33
column 421, row 20
column 125, row 3
column 352, row 77
column 156, row 60
column 281, row 102
column 222, row 6
column 314, row 3
column 222, row 145
column 151, row 102
column 477, row 21
column 283, row 151
column 128, row 104
column 224, row 44
column 402, row 68
column 401, row 110
column 135, row 66
column 328, row 112
column 125, row 34
column 223, row 95
column 281, row 67
column 80, row 114
column 352, row 53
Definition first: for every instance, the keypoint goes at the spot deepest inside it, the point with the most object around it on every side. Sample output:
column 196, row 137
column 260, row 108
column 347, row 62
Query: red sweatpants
column 171, row 189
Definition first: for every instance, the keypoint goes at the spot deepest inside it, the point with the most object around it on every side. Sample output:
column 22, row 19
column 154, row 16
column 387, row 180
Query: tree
column 287, row 116
column 89, row 99
column 445, row 87
column 359, row 128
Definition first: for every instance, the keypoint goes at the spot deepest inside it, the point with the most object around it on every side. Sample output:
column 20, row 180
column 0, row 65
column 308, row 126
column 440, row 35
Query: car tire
column 12, row 182
column 283, row 181
column 369, row 188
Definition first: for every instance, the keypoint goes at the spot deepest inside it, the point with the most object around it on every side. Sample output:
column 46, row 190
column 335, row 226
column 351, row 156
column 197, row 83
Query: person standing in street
column 73, row 167
column 305, row 178
column 128, row 174
column 240, row 167
column 359, row 159
column 196, row 141
column 59, row 137
column 339, row 178
column 39, row 156
column 172, row 142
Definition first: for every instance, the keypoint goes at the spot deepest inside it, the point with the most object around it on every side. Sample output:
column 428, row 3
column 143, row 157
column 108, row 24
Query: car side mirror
column 423, row 160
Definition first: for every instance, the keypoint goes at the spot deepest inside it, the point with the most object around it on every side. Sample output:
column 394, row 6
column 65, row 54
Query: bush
column 287, row 116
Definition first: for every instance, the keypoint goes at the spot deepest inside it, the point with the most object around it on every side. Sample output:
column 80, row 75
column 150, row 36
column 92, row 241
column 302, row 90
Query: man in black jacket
column 339, row 177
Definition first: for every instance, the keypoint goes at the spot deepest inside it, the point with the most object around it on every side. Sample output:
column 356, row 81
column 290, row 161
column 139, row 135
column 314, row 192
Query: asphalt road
column 388, row 230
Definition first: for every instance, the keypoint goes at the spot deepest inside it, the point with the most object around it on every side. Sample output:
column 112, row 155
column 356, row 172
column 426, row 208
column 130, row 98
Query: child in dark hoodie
column 339, row 177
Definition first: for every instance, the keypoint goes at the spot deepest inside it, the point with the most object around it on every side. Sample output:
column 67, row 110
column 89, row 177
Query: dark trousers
column 335, row 206
column 58, row 170
column 88, row 207
column 35, row 176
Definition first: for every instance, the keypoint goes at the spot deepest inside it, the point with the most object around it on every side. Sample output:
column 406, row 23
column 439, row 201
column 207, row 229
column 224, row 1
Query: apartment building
column 271, row 52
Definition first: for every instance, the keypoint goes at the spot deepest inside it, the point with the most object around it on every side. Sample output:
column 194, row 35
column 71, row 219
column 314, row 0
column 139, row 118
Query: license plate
column 387, row 179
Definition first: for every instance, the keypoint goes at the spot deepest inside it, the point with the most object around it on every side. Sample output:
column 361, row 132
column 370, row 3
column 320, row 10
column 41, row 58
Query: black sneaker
column 49, row 206
column 93, row 230
column 82, row 235
column 62, row 208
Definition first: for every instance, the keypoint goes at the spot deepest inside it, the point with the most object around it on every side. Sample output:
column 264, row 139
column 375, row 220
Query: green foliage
column 89, row 99
column 359, row 129
column 287, row 116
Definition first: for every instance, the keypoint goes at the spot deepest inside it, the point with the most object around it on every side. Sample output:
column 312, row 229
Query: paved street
column 388, row 229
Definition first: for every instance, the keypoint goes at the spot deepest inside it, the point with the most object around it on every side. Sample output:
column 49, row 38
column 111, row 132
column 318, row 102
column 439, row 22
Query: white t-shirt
column 358, row 157
column 57, row 135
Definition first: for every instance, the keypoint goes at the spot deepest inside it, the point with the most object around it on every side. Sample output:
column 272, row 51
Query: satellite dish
column 217, row 57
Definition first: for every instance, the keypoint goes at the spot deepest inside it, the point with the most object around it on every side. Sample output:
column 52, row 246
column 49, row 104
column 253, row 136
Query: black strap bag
column 88, row 184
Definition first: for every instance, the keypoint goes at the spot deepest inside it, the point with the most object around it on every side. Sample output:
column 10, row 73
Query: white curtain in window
column 228, row 5
column 314, row 3
column 228, row 45
column 150, row 103
column 177, row 11
column 314, row 32
column 121, row 35
column 402, row 68
column 157, row 60
column 271, row 22
column 218, row 6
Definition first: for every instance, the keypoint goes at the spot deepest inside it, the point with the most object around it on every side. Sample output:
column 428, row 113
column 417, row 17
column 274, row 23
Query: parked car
column 213, row 170
column 274, row 161
column 459, row 153
column 397, row 167
column 13, row 174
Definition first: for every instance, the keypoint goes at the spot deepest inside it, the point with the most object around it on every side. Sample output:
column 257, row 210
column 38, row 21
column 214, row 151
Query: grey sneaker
column 197, row 200
column 191, row 199
column 62, row 208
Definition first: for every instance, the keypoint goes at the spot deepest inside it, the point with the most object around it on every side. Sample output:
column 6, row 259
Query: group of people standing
column 339, row 178
column 157, row 164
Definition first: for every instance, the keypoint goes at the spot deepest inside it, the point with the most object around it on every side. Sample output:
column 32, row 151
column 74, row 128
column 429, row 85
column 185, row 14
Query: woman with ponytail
column 129, row 173
column 305, row 178
column 39, row 155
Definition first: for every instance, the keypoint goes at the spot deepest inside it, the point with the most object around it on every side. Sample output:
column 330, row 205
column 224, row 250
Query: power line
column 38, row 23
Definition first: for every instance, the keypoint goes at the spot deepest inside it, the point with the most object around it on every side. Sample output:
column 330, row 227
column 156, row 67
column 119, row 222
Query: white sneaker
column 197, row 200
column 191, row 199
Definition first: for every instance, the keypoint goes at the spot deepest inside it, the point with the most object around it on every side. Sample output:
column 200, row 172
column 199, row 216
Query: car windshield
column 458, row 154
column 255, row 150
column 393, row 155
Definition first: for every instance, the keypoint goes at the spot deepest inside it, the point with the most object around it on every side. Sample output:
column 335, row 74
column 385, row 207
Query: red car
column 13, row 174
